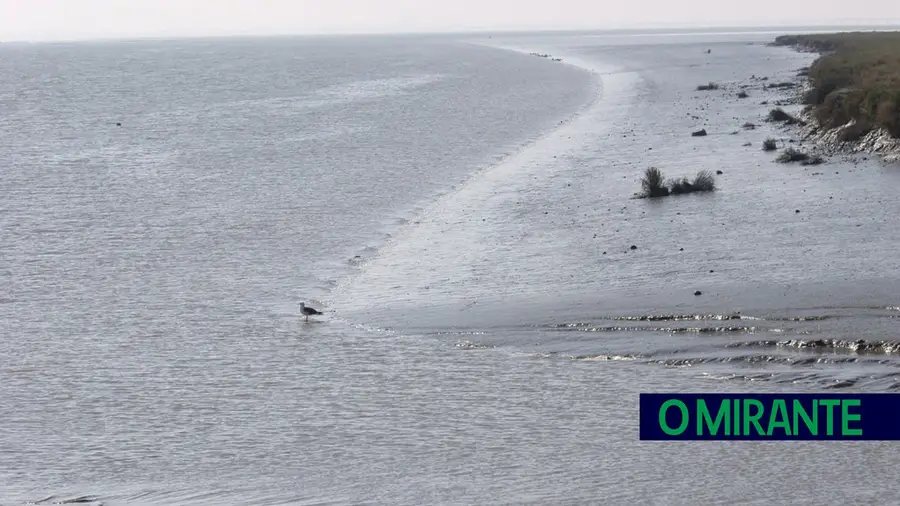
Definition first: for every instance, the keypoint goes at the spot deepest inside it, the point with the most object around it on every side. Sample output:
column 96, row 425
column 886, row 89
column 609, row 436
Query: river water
column 462, row 211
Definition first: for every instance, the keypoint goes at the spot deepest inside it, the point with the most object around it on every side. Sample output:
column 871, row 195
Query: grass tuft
column 792, row 155
column 704, row 181
column 770, row 144
column 778, row 114
column 813, row 160
column 653, row 183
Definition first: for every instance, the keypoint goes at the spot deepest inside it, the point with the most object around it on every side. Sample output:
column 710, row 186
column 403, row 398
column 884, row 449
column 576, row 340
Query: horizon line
column 497, row 30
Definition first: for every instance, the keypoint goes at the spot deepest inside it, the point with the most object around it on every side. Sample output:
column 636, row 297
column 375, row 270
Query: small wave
column 673, row 317
column 604, row 358
column 669, row 330
column 471, row 345
column 799, row 318
column 858, row 346
column 84, row 499
column 755, row 359
column 814, row 380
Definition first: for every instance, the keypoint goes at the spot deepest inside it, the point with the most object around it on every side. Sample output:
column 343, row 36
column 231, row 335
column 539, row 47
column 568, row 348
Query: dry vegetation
column 857, row 78
column 654, row 184
column 708, row 87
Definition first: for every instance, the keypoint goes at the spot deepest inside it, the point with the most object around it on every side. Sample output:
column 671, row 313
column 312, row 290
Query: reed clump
column 654, row 184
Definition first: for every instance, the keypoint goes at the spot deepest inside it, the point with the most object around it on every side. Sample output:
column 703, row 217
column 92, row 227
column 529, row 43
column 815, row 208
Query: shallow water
column 462, row 211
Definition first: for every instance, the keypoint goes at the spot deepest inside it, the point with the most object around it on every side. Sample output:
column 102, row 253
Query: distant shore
column 852, row 92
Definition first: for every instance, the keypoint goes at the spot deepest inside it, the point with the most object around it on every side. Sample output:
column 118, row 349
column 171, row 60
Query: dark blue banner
column 855, row 417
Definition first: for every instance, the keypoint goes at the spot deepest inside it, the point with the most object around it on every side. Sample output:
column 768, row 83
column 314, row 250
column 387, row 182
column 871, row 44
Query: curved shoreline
column 406, row 216
column 430, row 206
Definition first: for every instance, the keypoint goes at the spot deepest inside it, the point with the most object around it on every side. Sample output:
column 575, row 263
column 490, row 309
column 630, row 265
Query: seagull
column 307, row 311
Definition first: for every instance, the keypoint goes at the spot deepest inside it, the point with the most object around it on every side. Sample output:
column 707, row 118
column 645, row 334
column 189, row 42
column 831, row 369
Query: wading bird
column 308, row 311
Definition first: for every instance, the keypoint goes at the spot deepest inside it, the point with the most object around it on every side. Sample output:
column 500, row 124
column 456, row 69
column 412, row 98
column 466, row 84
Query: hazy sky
column 76, row 19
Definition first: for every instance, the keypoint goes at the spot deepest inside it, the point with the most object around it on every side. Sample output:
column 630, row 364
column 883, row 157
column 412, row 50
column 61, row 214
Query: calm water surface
column 462, row 212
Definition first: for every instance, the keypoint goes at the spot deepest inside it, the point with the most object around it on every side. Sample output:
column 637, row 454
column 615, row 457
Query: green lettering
column 779, row 408
column 685, row 418
column 846, row 417
column 737, row 417
column 829, row 417
column 812, row 424
column 754, row 418
column 704, row 418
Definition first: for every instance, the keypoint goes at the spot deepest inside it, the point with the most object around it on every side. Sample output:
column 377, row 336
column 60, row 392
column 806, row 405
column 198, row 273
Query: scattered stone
column 699, row 133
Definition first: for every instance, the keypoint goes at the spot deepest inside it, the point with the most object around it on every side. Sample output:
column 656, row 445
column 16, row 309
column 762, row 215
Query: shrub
column 791, row 155
column 778, row 114
column 653, row 183
column 813, row 160
column 704, row 181
column 678, row 187
column 856, row 78
column 770, row 145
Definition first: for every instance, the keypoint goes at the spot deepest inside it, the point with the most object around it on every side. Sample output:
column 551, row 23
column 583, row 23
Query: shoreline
column 861, row 134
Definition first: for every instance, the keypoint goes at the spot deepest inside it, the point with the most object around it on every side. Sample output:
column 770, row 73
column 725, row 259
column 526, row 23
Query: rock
column 698, row 293
column 633, row 246
column 797, row 211
column 699, row 133
column 719, row 172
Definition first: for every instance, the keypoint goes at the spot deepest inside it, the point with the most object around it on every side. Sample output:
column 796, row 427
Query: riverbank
column 852, row 91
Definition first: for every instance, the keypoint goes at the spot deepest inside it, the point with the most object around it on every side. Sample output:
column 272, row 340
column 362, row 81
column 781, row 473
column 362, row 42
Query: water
column 462, row 211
